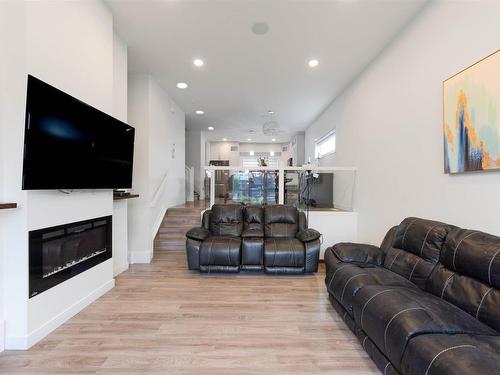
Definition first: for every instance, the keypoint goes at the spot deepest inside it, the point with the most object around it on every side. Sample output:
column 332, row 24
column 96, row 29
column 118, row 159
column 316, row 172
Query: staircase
column 175, row 224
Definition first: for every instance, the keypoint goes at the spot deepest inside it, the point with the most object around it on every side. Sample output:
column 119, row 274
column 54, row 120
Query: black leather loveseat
column 426, row 302
column 272, row 238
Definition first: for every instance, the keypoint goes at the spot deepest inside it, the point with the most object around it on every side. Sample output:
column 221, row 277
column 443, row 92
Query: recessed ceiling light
column 313, row 63
column 260, row 28
column 224, row 139
column 198, row 62
column 211, row 128
column 249, row 139
column 199, row 112
column 274, row 139
column 270, row 112
column 182, row 85
column 271, row 153
column 252, row 153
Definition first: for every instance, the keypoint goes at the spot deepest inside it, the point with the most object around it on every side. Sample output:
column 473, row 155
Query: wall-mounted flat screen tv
column 70, row 145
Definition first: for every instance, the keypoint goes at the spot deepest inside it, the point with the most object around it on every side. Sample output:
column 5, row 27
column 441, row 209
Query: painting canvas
column 471, row 122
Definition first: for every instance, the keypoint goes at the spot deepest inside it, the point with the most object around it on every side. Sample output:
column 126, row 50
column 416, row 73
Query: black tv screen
column 70, row 145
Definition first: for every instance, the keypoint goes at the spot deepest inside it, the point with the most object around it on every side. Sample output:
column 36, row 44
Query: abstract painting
column 471, row 122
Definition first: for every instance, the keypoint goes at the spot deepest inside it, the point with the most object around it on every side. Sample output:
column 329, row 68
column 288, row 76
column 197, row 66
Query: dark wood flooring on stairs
column 177, row 221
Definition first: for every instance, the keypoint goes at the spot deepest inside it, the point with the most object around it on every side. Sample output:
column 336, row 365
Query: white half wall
column 389, row 124
column 334, row 226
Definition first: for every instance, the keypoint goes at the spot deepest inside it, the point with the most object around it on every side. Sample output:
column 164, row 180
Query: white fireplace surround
column 80, row 61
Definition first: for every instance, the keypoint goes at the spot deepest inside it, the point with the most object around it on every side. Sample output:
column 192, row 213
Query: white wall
column 78, row 60
column 4, row 44
column 120, row 78
column 167, row 152
column 14, row 222
column 222, row 151
column 195, row 157
column 160, row 124
column 139, row 239
column 389, row 124
column 120, row 207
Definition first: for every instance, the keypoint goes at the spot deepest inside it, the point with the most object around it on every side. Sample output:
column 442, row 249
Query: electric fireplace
column 58, row 253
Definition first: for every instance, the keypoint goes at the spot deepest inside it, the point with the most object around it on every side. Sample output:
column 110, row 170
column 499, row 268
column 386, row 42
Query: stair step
column 180, row 221
column 174, row 231
column 184, row 212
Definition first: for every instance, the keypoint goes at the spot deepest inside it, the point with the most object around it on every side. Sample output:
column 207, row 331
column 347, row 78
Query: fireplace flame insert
column 56, row 254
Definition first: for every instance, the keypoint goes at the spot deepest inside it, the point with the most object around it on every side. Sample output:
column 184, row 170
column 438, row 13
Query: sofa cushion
column 284, row 252
column 469, row 274
column 391, row 316
column 349, row 279
column 475, row 297
column 253, row 224
column 440, row 354
column 280, row 221
column 252, row 253
column 421, row 237
column 410, row 266
column 415, row 249
column 473, row 253
column 226, row 220
column 220, row 253
column 252, row 233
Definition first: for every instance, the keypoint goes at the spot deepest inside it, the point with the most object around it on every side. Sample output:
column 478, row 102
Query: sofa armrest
column 312, row 249
column 307, row 235
column 193, row 253
column 358, row 253
column 200, row 234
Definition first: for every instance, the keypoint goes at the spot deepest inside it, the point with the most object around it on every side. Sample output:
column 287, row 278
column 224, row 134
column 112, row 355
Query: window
column 249, row 163
column 325, row 145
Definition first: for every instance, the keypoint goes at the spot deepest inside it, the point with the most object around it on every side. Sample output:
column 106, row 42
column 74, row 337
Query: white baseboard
column 26, row 342
column 141, row 257
column 119, row 269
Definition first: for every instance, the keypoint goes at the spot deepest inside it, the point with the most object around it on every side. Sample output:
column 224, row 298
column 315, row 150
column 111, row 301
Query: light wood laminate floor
column 163, row 319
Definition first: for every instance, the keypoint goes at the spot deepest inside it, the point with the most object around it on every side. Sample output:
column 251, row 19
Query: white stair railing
column 159, row 191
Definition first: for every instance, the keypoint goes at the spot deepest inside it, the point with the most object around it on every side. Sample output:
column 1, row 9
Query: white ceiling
column 245, row 74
